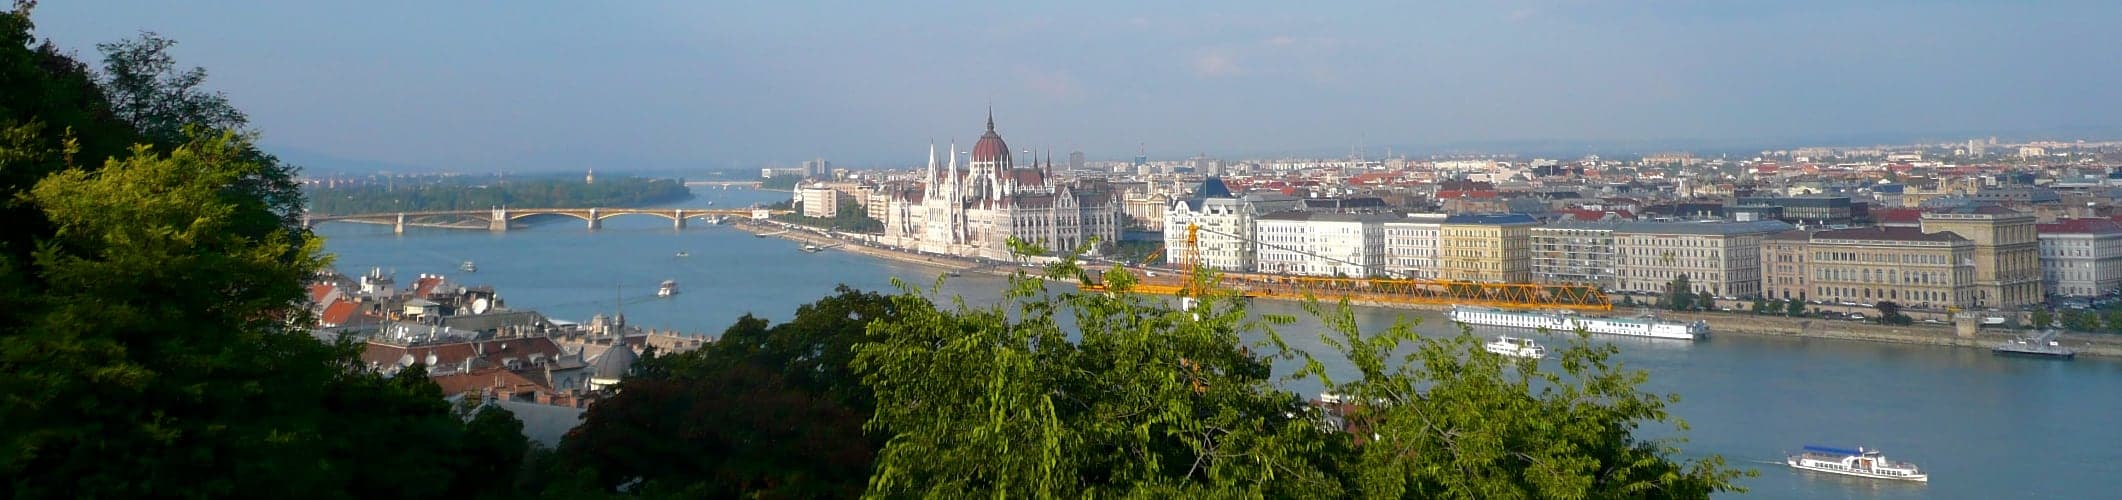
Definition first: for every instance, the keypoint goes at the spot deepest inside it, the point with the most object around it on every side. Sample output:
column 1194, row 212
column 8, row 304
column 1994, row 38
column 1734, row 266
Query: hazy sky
column 535, row 85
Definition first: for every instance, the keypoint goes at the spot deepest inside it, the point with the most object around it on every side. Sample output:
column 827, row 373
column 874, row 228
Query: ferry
column 1516, row 347
column 2041, row 345
column 468, row 267
column 669, row 288
column 1859, row 462
column 813, row 248
column 1634, row 327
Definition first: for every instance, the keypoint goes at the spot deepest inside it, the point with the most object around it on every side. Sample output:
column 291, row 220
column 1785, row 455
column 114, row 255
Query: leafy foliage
column 781, row 182
column 849, row 216
column 1144, row 399
column 1679, row 295
column 1890, row 313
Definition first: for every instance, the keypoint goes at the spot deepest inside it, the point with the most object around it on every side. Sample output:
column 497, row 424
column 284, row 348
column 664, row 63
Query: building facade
column 1721, row 258
column 974, row 210
column 1909, row 266
column 1783, row 265
column 1411, row 246
column 1225, row 223
column 2007, row 252
column 1321, row 244
column 1575, row 252
column 2081, row 257
column 1490, row 248
column 819, row 201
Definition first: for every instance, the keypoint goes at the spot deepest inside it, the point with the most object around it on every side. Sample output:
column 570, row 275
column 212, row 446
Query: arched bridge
column 500, row 219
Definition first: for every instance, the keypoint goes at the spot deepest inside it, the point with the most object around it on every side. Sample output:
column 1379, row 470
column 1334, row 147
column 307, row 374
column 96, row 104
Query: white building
column 1411, row 246
column 1575, row 252
column 819, row 201
column 1722, row 258
column 2081, row 257
column 1322, row 244
column 1225, row 227
column 973, row 211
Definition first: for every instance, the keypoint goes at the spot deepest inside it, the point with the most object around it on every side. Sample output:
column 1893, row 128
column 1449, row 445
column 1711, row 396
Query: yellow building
column 1487, row 248
column 2007, row 255
column 1783, row 265
column 1909, row 266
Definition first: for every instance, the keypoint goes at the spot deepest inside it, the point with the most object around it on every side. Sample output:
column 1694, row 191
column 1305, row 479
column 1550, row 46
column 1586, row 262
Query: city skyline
column 662, row 86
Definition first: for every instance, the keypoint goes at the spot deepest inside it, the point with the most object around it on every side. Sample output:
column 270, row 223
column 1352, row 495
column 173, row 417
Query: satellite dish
column 480, row 306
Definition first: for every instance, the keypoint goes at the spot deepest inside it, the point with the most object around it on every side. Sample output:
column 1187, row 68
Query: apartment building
column 2081, row 257
column 1808, row 210
column 1575, row 252
column 1783, row 265
column 1321, row 244
column 1411, row 246
column 1225, row 225
column 1495, row 248
column 1720, row 258
column 1910, row 266
column 2007, row 252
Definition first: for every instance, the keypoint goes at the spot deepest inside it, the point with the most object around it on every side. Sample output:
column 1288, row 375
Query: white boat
column 682, row 253
column 1859, row 462
column 1516, row 347
column 1634, row 327
column 669, row 288
column 468, row 267
column 813, row 248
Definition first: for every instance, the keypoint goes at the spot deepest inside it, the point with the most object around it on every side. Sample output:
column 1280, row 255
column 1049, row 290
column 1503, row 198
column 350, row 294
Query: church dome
column 991, row 149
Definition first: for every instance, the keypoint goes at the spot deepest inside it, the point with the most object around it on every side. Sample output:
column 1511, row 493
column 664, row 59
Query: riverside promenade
column 1723, row 323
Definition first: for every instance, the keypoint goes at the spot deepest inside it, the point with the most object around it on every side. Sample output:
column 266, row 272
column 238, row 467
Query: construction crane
column 1369, row 290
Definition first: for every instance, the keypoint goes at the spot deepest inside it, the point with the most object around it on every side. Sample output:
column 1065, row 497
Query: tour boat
column 1859, row 462
column 1516, row 347
column 813, row 248
column 468, row 267
column 682, row 253
column 669, row 288
column 1635, row 327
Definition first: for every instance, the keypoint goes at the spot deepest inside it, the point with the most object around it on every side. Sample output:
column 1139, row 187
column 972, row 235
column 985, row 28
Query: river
column 1981, row 426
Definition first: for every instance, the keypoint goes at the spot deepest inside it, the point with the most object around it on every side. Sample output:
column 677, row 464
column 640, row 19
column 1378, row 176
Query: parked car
column 1856, row 316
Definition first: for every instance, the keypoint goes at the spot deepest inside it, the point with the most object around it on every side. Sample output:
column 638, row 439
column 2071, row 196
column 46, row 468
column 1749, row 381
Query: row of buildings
column 974, row 207
column 1968, row 256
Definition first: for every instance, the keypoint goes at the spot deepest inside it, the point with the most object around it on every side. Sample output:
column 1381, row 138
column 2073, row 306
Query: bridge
column 724, row 184
column 500, row 219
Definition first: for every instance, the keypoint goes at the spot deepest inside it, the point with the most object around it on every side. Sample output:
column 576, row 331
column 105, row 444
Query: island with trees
column 478, row 193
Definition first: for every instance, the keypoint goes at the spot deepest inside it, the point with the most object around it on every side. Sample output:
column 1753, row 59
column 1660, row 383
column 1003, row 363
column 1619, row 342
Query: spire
column 990, row 117
column 930, row 182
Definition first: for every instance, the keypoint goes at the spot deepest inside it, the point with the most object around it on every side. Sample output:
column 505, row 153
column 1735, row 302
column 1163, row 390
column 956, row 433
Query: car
column 1856, row 316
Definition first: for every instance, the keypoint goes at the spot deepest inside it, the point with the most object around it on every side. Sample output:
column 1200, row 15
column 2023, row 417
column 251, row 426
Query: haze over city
column 668, row 85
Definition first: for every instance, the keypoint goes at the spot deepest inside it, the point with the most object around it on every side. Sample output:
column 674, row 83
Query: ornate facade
column 973, row 209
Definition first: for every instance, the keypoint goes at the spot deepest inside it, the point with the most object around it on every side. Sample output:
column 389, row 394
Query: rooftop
column 1495, row 219
column 2080, row 226
column 1706, row 227
column 1885, row 233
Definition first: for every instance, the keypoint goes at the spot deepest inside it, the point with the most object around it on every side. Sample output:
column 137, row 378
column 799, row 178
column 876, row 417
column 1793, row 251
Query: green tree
column 2042, row 319
column 2081, row 320
column 1143, row 399
column 1679, row 295
column 2113, row 316
column 1794, row 307
column 1890, row 313
column 1763, row 306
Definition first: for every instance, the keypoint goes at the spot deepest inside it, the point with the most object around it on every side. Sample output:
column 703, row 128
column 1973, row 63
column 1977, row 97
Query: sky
column 544, row 85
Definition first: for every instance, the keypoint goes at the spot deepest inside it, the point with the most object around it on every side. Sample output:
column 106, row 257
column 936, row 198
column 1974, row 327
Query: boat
column 2040, row 345
column 682, row 253
column 1646, row 326
column 1516, row 347
column 1859, row 462
column 813, row 248
column 669, row 288
column 468, row 267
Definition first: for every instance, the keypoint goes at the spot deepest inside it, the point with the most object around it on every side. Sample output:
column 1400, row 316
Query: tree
column 1763, row 306
column 1679, row 295
column 2081, row 320
column 2042, row 319
column 1890, row 313
column 2113, row 319
column 1794, row 307
column 1143, row 399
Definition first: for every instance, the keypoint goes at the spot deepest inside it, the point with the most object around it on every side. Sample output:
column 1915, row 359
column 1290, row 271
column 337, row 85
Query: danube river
column 1981, row 426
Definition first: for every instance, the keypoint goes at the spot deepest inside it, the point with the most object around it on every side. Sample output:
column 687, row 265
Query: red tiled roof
column 338, row 313
column 2080, row 226
column 426, row 285
column 479, row 380
column 318, row 291
column 1911, row 215
column 494, row 352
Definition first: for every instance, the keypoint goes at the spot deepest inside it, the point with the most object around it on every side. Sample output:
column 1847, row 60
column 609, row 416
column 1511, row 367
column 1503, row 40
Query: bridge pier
column 678, row 219
column 399, row 226
column 499, row 222
column 594, row 222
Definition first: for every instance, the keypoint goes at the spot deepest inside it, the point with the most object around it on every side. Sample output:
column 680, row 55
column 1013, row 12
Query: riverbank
column 1720, row 323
